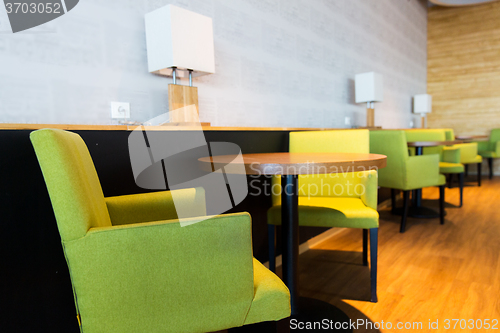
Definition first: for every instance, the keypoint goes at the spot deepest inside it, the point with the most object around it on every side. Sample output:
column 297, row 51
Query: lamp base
column 423, row 120
column 183, row 104
column 370, row 117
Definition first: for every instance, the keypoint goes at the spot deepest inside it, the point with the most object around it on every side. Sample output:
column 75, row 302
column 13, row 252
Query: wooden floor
column 431, row 272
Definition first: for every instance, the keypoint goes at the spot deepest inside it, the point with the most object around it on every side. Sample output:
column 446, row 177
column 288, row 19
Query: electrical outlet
column 348, row 120
column 120, row 110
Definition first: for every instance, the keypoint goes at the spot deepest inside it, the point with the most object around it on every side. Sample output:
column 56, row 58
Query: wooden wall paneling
column 463, row 63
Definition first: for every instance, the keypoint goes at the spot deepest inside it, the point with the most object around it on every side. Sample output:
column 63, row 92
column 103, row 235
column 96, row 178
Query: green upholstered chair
column 327, row 201
column 449, row 156
column 404, row 172
column 468, row 153
column 134, row 268
column 490, row 149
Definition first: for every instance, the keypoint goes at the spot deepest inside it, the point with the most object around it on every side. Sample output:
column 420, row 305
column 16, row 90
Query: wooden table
column 289, row 166
column 472, row 137
column 417, row 210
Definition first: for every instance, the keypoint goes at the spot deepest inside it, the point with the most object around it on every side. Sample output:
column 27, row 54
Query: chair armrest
column 126, row 275
column 156, row 206
column 336, row 185
column 421, row 171
column 451, row 154
column 483, row 146
column 468, row 152
column 369, row 180
column 496, row 147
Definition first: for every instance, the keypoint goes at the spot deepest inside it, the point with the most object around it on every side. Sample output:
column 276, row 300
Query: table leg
column 418, row 193
column 290, row 236
column 303, row 309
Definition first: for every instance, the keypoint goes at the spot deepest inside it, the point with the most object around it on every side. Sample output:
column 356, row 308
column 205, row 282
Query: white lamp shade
column 176, row 37
column 422, row 103
column 369, row 87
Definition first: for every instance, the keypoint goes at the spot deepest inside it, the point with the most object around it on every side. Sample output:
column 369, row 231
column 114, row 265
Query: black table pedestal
column 320, row 316
column 418, row 212
column 304, row 310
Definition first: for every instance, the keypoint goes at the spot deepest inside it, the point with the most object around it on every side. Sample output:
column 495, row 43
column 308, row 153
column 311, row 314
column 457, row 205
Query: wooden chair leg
column 406, row 197
column 461, row 180
column 450, row 180
column 393, row 200
column 373, row 263
column 479, row 174
column 271, row 234
column 365, row 247
column 490, row 164
column 441, row 204
column 466, row 170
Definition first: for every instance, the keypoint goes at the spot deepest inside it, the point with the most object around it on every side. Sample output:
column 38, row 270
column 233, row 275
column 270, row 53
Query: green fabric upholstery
column 134, row 268
column 449, row 156
column 73, row 178
column 337, row 141
column 468, row 151
column 330, row 212
column 495, row 135
column 269, row 296
column 445, row 167
column 449, row 134
column 403, row 172
column 489, row 154
column 332, row 200
column 345, row 199
column 490, row 148
column 483, row 146
column 156, row 206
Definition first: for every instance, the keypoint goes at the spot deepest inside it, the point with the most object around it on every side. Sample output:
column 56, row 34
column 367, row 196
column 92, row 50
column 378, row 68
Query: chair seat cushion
column 445, row 167
column 271, row 301
column 475, row 160
column 330, row 212
column 488, row 154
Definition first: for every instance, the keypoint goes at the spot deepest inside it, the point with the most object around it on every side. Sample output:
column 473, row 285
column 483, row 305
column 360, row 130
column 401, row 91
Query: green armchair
column 404, row 172
column 490, row 149
column 468, row 153
column 449, row 156
column 134, row 268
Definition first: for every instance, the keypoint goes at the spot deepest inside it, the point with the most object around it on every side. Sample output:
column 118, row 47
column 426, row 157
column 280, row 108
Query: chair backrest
column 450, row 134
column 328, row 185
column 72, row 182
column 427, row 135
column 336, row 141
column 495, row 135
column 391, row 143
